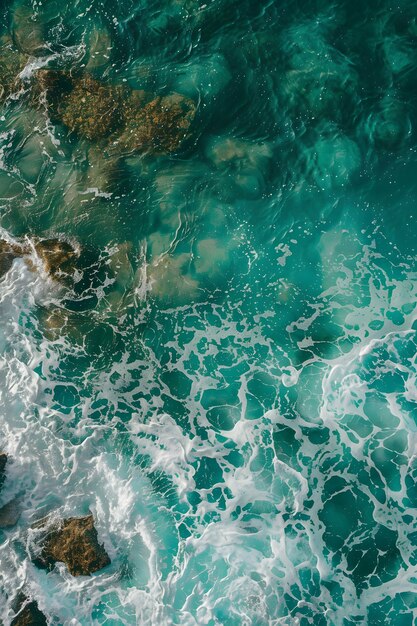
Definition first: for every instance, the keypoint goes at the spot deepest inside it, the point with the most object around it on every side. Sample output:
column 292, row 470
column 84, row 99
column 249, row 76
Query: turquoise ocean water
column 229, row 381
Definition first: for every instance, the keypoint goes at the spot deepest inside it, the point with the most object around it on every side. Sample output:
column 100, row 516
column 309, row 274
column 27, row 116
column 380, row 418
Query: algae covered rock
column 27, row 612
column 127, row 121
column 73, row 542
column 169, row 279
column 157, row 125
column 57, row 256
column 92, row 109
column 10, row 512
column 48, row 88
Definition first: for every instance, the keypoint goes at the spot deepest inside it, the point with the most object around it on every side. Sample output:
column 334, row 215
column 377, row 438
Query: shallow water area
column 208, row 310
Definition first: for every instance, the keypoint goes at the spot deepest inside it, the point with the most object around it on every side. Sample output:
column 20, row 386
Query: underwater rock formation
column 57, row 256
column 28, row 613
column 28, row 32
column 389, row 125
column 91, row 108
column 3, row 461
column 158, row 125
column 12, row 63
column 127, row 121
column 8, row 253
column 99, row 46
column 9, row 514
column 47, row 88
column 73, row 542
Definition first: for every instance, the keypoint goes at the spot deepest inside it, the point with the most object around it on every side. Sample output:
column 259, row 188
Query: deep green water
column 229, row 384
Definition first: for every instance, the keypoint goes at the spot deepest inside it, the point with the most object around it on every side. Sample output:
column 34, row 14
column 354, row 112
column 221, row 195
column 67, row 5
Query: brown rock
column 58, row 257
column 48, row 88
column 74, row 542
column 159, row 125
column 91, row 108
column 8, row 253
column 128, row 121
column 28, row 613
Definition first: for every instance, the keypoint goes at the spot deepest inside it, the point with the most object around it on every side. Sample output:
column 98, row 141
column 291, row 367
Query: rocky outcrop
column 121, row 120
column 3, row 462
column 27, row 613
column 73, row 542
column 58, row 256
column 92, row 109
column 157, row 125
column 8, row 253
column 48, row 87
column 9, row 514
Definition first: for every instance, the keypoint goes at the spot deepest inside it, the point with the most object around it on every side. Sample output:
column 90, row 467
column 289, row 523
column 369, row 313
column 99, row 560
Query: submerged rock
column 240, row 153
column 28, row 613
column 12, row 63
column 9, row 514
column 28, row 31
column 389, row 126
column 92, row 109
column 3, row 461
column 205, row 78
column 74, row 542
column 48, row 89
column 8, row 253
column 159, row 125
column 126, row 121
column 99, row 46
column 104, row 174
column 57, row 256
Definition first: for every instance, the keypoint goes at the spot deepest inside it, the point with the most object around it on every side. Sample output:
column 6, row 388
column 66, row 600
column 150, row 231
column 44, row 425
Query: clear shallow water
column 230, row 386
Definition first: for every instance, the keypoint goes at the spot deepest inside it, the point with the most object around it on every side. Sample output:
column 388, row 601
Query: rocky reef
column 27, row 612
column 57, row 256
column 9, row 512
column 124, row 121
column 91, row 108
column 72, row 541
column 157, row 125
column 3, row 462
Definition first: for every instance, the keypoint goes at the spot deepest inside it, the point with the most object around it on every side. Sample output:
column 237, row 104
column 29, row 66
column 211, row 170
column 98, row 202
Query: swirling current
column 208, row 311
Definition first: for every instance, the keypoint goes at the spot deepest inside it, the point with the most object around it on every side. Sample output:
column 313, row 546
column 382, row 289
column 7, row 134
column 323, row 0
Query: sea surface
column 229, row 383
